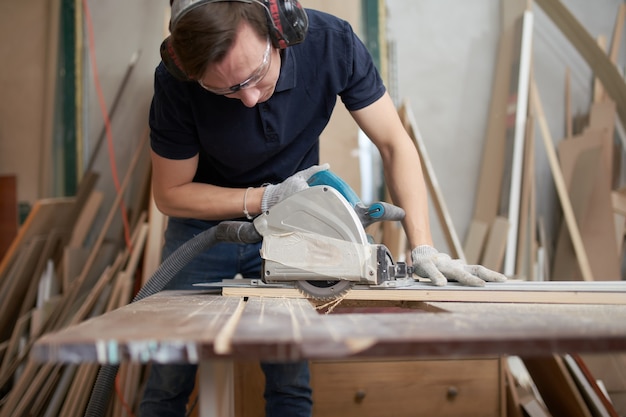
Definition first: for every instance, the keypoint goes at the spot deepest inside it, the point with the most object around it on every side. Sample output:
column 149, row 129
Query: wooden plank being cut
column 527, row 239
column 549, row 292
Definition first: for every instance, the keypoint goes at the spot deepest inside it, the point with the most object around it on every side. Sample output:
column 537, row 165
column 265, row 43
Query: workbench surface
column 193, row 326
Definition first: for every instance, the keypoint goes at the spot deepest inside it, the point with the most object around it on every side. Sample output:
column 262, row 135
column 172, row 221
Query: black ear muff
column 289, row 22
column 170, row 60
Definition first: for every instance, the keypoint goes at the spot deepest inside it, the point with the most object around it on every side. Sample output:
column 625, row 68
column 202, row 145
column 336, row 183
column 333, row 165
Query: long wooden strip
column 152, row 255
column 547, row 292
column 495, row 246
column 60, row 314
column 598, row 89
column 569, row 132
column 486, row 203
column 597, row 59
column 521, row 107
column 561, row 188
column 454, row 245
column 617, row 33
column 492, row 164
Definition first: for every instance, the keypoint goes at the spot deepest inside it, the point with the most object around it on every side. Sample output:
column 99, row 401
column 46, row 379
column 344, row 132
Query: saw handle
column 367, row 214
column 329, row 178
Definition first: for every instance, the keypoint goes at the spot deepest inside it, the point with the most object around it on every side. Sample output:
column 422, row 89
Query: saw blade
column 324, row 290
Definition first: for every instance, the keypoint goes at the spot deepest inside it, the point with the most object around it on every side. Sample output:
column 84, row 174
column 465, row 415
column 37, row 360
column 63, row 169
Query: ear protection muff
column 287, row 21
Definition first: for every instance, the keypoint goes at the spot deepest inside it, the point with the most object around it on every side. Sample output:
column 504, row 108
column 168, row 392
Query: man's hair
column 204, row 35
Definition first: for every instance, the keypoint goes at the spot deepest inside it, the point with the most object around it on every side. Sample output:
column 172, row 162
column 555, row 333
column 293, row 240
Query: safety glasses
column 252, row 80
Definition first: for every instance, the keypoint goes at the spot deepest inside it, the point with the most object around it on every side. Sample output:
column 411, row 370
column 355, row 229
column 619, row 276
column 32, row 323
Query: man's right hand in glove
column 275, row 193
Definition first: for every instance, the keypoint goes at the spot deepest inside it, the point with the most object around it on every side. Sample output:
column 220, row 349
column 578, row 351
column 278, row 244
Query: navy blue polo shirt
column 240, row 146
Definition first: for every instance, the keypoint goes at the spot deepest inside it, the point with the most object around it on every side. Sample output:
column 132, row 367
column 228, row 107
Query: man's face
column 249, row 71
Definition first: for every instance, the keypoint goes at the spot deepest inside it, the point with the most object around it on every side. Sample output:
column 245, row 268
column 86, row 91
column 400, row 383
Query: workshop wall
column 28, row 30
column 339, row 142
column 445, row 53
column 126, row 38
column 445, row 58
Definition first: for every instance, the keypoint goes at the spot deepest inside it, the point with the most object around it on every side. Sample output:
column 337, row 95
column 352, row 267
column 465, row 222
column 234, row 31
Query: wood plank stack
column 53, row 276
column 588, row 244
column 506, row 234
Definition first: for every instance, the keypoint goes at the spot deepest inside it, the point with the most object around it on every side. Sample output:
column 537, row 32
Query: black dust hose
column 229, row 231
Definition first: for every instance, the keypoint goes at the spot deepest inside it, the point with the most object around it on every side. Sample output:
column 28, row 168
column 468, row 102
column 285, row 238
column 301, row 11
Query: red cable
column 107, row 121
column 120, row 395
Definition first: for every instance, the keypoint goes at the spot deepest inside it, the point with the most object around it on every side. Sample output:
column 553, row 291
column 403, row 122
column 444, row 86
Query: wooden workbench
column 207, row 328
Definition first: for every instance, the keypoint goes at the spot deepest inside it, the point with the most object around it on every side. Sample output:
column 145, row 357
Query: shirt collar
column 287, row 77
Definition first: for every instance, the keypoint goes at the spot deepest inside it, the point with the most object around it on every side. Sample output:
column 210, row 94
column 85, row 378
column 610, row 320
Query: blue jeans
column 287, row 389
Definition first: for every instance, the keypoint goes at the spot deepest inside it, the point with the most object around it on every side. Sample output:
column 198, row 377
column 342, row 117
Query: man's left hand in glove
column 440, row 268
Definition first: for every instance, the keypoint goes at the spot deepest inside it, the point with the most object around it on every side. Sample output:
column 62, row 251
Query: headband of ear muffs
column 287, row 21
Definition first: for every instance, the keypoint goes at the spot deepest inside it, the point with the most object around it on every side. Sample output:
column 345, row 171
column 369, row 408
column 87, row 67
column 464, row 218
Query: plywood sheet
column 586, row 162
column 556, row 386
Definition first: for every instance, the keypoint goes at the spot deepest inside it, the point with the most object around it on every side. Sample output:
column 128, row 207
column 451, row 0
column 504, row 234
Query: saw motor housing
column 316, row 235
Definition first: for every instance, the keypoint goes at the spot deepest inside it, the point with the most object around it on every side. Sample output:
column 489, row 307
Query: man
column 245, row 90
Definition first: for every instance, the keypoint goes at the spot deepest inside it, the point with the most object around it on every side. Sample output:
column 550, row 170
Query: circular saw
column 316, row 240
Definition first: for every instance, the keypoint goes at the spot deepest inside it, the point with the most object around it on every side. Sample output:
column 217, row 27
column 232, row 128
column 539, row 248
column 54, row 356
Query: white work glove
column 275, row 193
column 439, row 267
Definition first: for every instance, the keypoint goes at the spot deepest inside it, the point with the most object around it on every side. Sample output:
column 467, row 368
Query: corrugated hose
column 228, row 231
